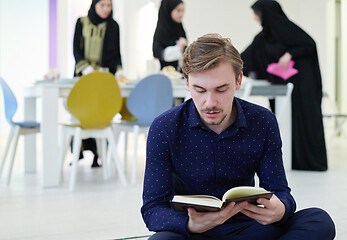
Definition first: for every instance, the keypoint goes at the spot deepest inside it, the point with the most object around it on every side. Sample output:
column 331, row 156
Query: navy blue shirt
column 186, row 157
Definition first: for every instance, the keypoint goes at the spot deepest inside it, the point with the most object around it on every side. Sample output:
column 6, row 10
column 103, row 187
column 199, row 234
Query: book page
column 204, row 200
column 242, row 191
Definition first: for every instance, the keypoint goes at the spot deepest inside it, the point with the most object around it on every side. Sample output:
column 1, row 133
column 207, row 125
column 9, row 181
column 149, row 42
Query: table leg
column 30, row 140
column 49, row 131
column 285, row 125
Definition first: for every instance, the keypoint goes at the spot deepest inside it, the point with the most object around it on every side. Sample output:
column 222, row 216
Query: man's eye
column 221, row 90
column 200, row 90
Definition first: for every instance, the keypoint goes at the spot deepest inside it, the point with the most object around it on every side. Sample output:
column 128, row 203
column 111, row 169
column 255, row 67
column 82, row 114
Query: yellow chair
column 124, row 112
column 94, row 101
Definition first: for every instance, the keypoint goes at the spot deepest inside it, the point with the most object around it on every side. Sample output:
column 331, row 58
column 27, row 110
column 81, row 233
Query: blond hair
column 207, row 52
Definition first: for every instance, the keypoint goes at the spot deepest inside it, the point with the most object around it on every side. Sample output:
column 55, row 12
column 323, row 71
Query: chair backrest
column 95, row 99
column 10, row 101
column 150, row 97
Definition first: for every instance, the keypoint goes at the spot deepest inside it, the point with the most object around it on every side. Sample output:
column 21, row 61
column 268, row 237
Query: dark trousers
column 311, row 223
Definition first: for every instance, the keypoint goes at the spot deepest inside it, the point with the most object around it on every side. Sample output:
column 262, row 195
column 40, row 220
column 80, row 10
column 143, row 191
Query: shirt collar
column 194, row 118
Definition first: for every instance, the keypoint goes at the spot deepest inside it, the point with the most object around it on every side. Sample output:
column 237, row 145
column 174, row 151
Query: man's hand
column 202, row 221
column 284, row 60
column 272, row 210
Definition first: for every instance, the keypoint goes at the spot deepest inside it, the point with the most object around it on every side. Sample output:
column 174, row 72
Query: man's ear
column 239, row 81
column 187, row 83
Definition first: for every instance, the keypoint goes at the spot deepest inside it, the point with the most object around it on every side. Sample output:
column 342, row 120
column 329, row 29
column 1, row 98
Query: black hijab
column 277, row 25
column 111, row 41
column 94, row 17
column 167, row 31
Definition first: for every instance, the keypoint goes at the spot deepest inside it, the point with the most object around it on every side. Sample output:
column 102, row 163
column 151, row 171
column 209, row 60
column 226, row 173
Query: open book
column 206, row 203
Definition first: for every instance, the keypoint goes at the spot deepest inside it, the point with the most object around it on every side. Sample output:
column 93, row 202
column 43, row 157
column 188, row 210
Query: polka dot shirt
column 185, row 157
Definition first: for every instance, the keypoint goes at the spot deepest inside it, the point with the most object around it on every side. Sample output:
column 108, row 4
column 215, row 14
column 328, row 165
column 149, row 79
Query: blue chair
column 17, row 128
column 149, row 98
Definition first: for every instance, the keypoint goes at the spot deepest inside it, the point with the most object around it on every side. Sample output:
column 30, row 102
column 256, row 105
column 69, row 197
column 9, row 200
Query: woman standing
column 281, row 41
column 96, row 47
column 169, row 39
column 96, row 40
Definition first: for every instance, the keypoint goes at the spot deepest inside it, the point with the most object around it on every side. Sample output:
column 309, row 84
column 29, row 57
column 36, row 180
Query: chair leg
column 99, row 149
column 13, row 153
column 136, row 135
column 113, row 147
column 125, row 156
column 103, row 154
column 117, row 133
column 8, row 144
column 62, row 151
column 76, row 153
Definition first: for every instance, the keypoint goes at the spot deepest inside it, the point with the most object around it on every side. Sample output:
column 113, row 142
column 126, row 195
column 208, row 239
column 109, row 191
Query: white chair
column 94, row 101
column 247, row 89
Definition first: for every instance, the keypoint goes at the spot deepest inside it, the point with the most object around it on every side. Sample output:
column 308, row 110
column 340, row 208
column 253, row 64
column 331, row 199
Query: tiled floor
column 106, row 210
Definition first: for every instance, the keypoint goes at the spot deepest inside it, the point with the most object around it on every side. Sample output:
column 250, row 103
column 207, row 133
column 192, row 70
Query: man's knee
column 167, row 236
column 316, row 221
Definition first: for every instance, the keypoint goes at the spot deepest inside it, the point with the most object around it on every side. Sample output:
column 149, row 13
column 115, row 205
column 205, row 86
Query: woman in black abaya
column 96, row 47
column 169, row 38
column 281, row 41
column 96, row 40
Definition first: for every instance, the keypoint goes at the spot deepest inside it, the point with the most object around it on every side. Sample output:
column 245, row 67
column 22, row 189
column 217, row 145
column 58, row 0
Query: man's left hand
column 271, row 210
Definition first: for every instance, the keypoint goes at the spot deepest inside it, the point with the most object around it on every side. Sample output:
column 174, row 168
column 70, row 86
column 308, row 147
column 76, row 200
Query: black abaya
column 280, row 35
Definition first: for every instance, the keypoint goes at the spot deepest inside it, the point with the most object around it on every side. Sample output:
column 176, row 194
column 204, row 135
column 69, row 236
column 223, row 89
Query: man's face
column 213, row 93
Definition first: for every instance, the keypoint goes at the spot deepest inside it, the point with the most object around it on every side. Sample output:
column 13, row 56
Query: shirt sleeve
column 172, row 53
column 271, row 171
column 158, row 190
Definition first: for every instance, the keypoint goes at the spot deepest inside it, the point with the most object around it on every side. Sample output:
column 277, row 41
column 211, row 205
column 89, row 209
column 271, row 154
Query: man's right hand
column 200, row 222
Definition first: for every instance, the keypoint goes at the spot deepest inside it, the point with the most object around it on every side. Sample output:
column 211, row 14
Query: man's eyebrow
column 221, row 86
column 224, row 85
column 197, row 86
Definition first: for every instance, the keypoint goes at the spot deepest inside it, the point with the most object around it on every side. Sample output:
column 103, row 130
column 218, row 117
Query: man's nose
column 210, row 100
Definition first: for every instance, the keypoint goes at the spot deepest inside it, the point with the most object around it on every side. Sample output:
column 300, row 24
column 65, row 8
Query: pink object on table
column 275, row 69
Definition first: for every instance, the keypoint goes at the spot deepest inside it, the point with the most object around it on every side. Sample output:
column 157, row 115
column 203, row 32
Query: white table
column 51, row 92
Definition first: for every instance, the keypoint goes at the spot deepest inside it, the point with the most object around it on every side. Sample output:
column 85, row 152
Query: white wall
column 344, row 55
column 23, row 47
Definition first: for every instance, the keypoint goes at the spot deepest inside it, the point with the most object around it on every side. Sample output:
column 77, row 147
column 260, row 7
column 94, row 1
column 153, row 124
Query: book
column 275, row 69
column 207, row 203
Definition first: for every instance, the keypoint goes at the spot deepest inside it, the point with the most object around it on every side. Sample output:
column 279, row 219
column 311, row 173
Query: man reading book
column 214, row 142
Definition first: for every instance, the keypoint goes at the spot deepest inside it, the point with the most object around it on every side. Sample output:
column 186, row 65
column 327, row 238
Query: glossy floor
column 106, row 210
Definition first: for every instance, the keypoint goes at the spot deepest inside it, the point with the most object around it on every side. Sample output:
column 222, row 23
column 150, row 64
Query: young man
column 212, row 143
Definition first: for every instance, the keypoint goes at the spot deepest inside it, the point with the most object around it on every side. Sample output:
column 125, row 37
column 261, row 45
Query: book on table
column 207, row 203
